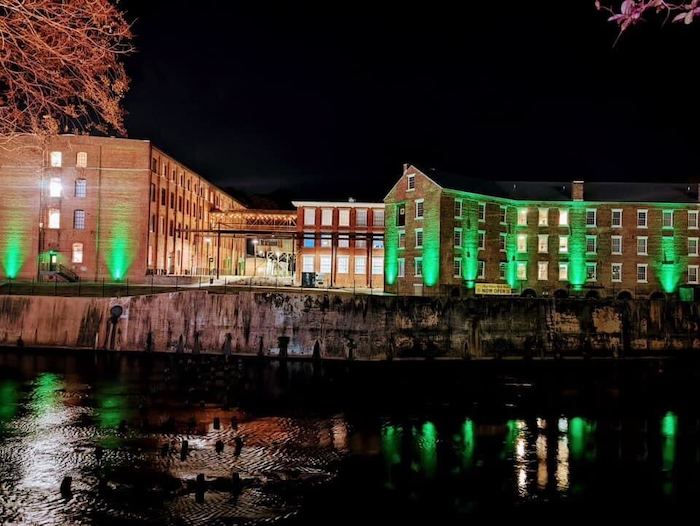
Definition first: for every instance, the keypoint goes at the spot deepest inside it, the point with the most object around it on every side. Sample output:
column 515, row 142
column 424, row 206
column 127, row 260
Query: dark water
column 408, row 443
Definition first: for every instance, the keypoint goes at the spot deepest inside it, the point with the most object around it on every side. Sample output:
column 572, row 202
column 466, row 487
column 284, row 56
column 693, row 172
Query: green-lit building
column 453, row 235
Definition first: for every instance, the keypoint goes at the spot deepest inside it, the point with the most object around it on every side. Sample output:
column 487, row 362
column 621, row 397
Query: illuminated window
column 482, row 212
column 325, row 267
column 402, row 239
column 56, row 159
column 692, row 273
column 325, row 241
column 616, row 244
column 563, row 217
column 504, row 215
column 343, row 241
column 458, row 208
column 642, row 245
column 521, row 270
column 80, row 188
column 326, row 217
column 692, row 246
column 542, row 243
column 55, row 187
column 542, row 270
column 458, row 237
column 642, row 218
column 693, row 219
column 378, row 217
column 360, row 265
column 79, row 219
column 344, row 217
column 377, row 242
column 522, row 216
column 591, row 244
column 457, row 267
column 81, row 160
column 502, row 242
column 641, row 272
column 616, row 272
column 563, row 271
column 402, row 267
column 308, row 264
column 309, row 242
column 563, row 244
column 309, row 216
column 419, row 238
column 54, row 218
column 522, row 243
column 591, row 271
column 418, row 271
column 411, row 182
column 543, row 217
column 361, row 217
column 419, row 209
column 343, row 264
column 481, row 269
column 77, row 255
column 616, row 220
column 482, row 240
column 667, row 219
column 502, row 270
column 591, row 218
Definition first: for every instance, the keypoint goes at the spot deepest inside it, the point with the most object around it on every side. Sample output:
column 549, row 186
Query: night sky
column 328, row 101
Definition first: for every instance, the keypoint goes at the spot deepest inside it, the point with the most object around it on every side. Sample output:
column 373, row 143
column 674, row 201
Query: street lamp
column 207, row 242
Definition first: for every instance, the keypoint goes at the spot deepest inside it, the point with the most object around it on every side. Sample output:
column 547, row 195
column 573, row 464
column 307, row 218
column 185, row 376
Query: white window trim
column 504, row 215
column 646, row 273
column 502, row 267
column 481, row 235
column 595, row 244
column 461, row 207
column 612, row 266
column 410, row 178
column 478, row 210
column 454, row 237
column 422, row 201
column 521, row 211
column 455, row 261
column 546, row 243
column 415, row 267
column 503, row 236
column 481, row 269
column 567, row 244
column 595, row 217
column 546, row 217
column 646, row 215
column 663, row 214
column 401, row 268
column 519, row 265
column 398, row 242
column 346, row 259
column 697, row 219
column 697, row 270
column 697, row 246
column 545, row 265
column 612, row 251
column 612, row 215
column 517, row 244
column 566, row 214
column 594, row 266
column 415, row 233
column 646, row 246
column 56, row 159
column 561, row 266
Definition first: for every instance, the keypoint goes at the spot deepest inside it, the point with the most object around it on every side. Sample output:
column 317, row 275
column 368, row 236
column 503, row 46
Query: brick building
column 446, row 234
column 98, row 208
column 341, row 243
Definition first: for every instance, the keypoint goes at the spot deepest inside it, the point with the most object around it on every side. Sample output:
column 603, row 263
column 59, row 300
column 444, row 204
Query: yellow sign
column 493, row 289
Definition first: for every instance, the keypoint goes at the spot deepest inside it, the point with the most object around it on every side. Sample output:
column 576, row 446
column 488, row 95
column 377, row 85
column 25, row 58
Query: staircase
column 67, row 273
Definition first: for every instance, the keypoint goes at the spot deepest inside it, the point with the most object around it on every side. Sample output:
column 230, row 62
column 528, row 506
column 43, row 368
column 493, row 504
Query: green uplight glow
column 391, row 449
column 119, row 250
column 431, row 252
column 13, row 246
column 580, row 432
column 427, row 444
column 669, row 435
column 577, row 244
column 470, row 242
column 669, row 265
column 8, row 400
column 391, row 244
column 45, row 397
column 513, row 430
column 468, row 443
column 110, row 412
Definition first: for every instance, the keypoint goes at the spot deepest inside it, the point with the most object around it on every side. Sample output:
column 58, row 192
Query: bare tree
column 61, row 66
column 630, row 12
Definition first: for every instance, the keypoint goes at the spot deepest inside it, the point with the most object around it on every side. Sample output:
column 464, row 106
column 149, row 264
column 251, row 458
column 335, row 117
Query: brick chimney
column 577, row 191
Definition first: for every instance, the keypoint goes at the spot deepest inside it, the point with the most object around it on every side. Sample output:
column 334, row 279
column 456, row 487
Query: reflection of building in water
column 562, row 473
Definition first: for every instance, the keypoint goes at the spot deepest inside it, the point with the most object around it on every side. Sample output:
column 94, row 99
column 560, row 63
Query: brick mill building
column 449, row 234
column 93, row 208
column 340, row 244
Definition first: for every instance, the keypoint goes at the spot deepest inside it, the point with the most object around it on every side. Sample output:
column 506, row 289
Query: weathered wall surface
column 369, row 327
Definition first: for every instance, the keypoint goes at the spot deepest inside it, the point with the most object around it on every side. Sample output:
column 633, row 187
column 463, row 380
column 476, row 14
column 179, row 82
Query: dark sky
column 328, row 101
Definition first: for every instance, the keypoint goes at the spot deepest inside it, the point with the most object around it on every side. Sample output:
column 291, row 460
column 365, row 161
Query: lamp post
column 207, row 242
column 255, row 257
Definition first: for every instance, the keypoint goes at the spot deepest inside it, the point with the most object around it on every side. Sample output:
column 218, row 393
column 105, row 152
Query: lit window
column 79, row 219
column 482, row 240
column 344, row 217
column 77, row 256
column 616, row 244
column 522, row 243
column 325, row 241
column 411, row 182
column 693, row 219
column 591, row 244
column 54, row 218
column 457, row 267
column 55, row 187
column 81, row 160
column 521, row 272
column 308, row 264
column 360, row 265
column 641, row 246
column 419, row 209
column 616, row 272
column 378, row 218
column 667, row 219
column 692, row 246
column 325, row 267
column 361, row 217
column 563, row 271
column 522, row 216
column 482, row 212
column 563, row 244
column 458, row 237
column 591, row 217
column 309, row 216
column 418, row 271
column 642, row 216
column 81, row 188
column 309, row 242
column 343, row 242
column 458, row 208
column 591, row 271
column 504, row 215
column 377, row 242
column 563, row 217
column 542, row 243
column 481, row 269
column 343, row 264
column 56, row 159
column 641, row 272
column 616, row 221
column 419, row 238
column 542, row 270
column 327, row 217
column 402, row 239
column 692, row 273
column 543, row 217
column 402, row 267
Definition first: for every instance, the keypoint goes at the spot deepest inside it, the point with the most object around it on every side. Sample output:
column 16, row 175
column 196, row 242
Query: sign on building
column 493, row 289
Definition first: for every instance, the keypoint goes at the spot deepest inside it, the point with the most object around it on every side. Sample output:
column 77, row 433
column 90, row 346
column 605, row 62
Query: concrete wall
column 368, row 326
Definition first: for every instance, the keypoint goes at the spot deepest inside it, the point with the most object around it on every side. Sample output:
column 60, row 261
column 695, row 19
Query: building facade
column 340, row 244
column 93, row 208
column 448, row 234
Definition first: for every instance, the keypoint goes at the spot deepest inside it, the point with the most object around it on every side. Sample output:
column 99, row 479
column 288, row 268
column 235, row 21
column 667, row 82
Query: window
column 309, row 216
column 377, row 242
column 642, row 217
column 616, row 245
column 693, row 219
column 154, row 165
column 179, row 230
column 179, row 204
column 56, row 159
column 616, row 272
column 482, row 240
column 418, row 271
column 308, row 264
column 641, row 246
column 482, row 212
column 458, row 208
column 360, row 242
column 79, row 219
column 309, row 241
column 77, row 254
column 522, row 243
column 480, row 269
column 402, row 267
column 411, row 182
column 692, row 273
column 641, row 272
column 591, row 244
column 325, row 267
column 343, row 264
column 171, row 228
column 150, row 254
column 591, row 271
column 360, row 265
column 419, row 209
column 543, row 216
column 502, row 270
column 378, row 217
column 542, row 243
column 81, row 160
column 153, row 193
column 343, row 241
column 162, row 225
column 521, row 270
column 504, row 215
column 563, row 271
column 172, row 201
column 522, row 216
column 692, row 246
column 401, row 215
column 457, row 267
column 563, row 217
column 502, row 242
column 326, row 216
column 667, row 219
column 402, row 239
column 563, row 244
column 153, row 223
column 616, row 220
column 361, row 217
column 162, row 196
column 55, row 187
column 419, row 238
column 457, row 237
column 591, row 217
column 325, row 241
column 54, row 218
column 543, row 270
column 343, row 217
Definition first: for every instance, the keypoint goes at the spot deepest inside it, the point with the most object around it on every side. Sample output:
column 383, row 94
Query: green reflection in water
column 8, row 400
column 427, row 444
column 513, row 429
column 391, row 449
column 468, row 443
column 669, row 435
column 580, row 434
column 45, row 394
column 110, row 412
